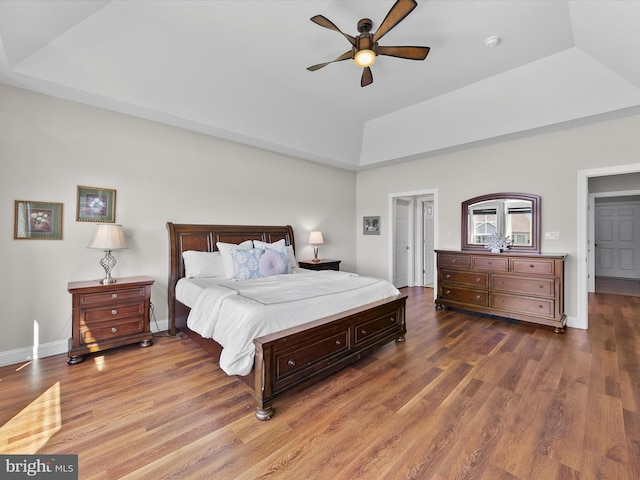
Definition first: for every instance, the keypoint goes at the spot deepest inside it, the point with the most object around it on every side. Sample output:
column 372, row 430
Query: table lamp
column 315, row 239
column 108, row 237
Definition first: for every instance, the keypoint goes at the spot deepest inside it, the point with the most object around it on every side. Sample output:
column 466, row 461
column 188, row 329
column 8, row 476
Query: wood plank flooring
column 466, row 397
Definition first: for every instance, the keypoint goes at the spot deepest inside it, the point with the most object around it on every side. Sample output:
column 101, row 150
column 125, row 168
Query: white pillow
column 202, row 264
column 225, row 250
column 280, row 246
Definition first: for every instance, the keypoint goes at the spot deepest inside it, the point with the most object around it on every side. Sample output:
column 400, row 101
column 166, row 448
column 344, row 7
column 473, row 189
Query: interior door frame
column 585, row 217
column 392, row 224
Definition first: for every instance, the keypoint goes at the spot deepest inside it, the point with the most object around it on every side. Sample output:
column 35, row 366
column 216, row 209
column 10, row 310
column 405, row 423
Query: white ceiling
column 237, row 69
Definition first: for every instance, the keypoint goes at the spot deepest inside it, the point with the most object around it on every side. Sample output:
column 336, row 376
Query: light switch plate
column 552, row 235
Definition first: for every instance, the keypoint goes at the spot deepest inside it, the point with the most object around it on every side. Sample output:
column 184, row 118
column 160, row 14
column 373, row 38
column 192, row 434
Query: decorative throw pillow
column 246, row 263
column 273, row 262
column 225, row 250
column 280, row 246
column 202, row 264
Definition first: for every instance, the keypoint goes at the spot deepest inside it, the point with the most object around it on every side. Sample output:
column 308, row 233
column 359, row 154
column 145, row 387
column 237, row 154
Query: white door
column 617, row 240
column 401, row 244
column 428, row 243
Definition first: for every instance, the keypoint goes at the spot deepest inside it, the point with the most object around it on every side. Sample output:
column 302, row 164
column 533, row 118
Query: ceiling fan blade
column 398, row 12
column 326, row 23
column 367, row 77
column 344, row 56
column 411, row 53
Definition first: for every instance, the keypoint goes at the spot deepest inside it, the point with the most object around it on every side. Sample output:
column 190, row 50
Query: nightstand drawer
column 112, row 330
column 112, row 296
column 114, row 312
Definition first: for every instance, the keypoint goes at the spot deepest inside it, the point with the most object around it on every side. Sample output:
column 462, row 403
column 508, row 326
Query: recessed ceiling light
column 492, row 41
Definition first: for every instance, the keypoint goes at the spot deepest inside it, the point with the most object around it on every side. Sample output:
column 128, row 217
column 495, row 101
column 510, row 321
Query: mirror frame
column 535, row 221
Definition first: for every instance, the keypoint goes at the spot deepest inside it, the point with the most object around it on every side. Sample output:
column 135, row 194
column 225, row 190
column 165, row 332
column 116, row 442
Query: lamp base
column 108, row 280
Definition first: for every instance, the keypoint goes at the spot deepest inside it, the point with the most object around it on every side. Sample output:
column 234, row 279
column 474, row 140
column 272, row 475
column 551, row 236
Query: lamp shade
column 108, row 236
column 315, row 238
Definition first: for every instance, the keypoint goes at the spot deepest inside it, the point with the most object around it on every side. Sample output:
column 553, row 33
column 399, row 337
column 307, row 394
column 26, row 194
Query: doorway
column 412, row 230
column 585, row 250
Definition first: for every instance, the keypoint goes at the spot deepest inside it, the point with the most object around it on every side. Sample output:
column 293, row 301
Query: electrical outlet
column 552, row 235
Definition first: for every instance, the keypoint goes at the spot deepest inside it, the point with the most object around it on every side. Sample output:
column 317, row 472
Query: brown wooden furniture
column 522, row 287
column 323, row 264
column 297, row 356
column 107, row 316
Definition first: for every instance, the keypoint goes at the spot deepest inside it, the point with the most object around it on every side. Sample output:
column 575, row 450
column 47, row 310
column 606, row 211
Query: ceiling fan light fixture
column 364, row 58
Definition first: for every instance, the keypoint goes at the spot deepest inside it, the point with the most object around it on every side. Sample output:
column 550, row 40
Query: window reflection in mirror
column 512, row 215
column 509, row 218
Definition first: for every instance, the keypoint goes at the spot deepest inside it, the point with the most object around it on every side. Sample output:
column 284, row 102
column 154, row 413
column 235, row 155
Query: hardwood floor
column 466, row 397
column 618, row 286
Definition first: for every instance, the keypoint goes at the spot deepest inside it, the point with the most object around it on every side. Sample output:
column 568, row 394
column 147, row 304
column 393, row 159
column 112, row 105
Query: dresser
column 517, row 286
column 107, row 316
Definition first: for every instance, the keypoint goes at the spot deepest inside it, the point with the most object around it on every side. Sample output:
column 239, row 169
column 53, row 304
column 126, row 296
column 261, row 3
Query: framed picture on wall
column 37, row 220
column 96, row 205
column 371, row 225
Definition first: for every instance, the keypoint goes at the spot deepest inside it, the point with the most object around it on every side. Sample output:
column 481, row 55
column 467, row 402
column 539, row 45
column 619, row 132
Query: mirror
column 512, row 215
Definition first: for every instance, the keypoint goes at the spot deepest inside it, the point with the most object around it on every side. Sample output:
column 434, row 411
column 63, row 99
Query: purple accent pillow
column 272, row 262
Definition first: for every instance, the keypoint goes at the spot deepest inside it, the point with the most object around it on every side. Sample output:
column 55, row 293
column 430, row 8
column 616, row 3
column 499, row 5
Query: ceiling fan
column 365, row 48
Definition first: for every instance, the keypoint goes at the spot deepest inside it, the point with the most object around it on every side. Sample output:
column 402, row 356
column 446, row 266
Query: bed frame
column 298, row 356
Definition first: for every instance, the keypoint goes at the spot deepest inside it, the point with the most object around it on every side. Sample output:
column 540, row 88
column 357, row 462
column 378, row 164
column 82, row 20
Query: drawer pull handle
column 454, row 260
column 114, row 330
column 338, row 342
column 540, row 306
column 532, row 266
column 477, row 280
column 363, row 331
column 114, row 312
column 477, row 297
column 489, row 263
column 114, row 295
column 291, row 363
column 448, row 292
column 392, row 319
column 540, row 286
column 448, row 276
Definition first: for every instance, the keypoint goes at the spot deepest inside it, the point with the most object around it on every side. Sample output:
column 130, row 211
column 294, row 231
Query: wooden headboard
column 203, row 238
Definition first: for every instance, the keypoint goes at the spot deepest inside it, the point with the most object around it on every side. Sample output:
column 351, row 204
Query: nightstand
column 108, row 316
column 324, row 264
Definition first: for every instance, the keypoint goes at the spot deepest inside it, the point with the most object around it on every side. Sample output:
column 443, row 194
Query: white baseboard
column 26, row 354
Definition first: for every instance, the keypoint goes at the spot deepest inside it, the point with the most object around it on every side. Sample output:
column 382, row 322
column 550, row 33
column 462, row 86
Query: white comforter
column 235, row 312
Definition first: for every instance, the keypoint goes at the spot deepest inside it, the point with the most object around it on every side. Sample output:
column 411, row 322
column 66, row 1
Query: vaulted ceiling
column 237, row 69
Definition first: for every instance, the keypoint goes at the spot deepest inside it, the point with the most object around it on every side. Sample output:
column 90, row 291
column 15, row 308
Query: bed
column 300, row 354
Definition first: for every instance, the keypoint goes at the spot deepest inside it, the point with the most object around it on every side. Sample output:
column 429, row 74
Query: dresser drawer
column 108, row 313
column 109, row 330
column 544, row 307
column 453, row 260
column 535, row 266
column 111, row 296
column 494, row 264
column 532, row 286
column 475, row 297
column 479, row 280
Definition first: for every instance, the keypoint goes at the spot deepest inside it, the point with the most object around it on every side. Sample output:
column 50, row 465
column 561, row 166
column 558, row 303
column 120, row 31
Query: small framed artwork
column 37, row 220
column 96, row 205
column 371, row 225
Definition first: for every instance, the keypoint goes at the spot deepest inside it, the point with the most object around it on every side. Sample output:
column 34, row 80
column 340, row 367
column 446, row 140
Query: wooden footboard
column 305, row 354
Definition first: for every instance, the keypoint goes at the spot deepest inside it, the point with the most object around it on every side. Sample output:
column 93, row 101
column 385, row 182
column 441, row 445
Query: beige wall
column 545, row 164
column 49, row 146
